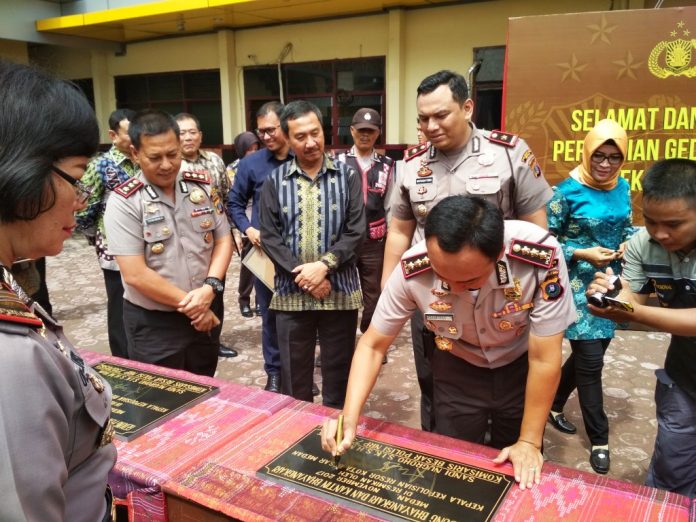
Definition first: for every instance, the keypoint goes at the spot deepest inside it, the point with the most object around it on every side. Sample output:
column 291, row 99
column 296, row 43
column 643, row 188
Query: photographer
column 661, row 260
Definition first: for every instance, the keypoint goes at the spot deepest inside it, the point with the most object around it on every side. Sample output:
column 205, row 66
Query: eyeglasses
column 613, row 159
column 82, row 192
column 192, row 132
column 268, row 130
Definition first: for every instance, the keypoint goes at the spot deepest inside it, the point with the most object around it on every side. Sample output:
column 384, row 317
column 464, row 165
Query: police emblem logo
column 452, row 330
column 505, row 325
column 421, row 210
column 197, row 196
column 443, row 343
column 206, row 224
column 437, row 292
column 424, row 171
column 551, row 288
column 440, row 306
column 514, row 293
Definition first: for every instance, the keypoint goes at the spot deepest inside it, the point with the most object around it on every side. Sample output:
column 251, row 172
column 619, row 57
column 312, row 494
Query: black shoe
column 273, row 384
column 257, row 311
column 561, row 423
column 384, row 359
column 599, row 460
column 246, row 311
column 226, row 351
column 315, row 389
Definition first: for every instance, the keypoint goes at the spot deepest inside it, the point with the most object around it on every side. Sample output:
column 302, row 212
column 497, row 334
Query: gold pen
column 339, row 439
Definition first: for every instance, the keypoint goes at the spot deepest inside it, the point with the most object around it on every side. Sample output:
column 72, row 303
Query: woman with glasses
column 590, row 213
column 55, row 434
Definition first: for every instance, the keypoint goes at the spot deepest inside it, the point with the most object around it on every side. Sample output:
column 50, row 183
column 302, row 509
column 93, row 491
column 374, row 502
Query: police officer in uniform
column 55, row 433
column 459, row 159
column 493, row 297
column 173, row 246
column 376, row 174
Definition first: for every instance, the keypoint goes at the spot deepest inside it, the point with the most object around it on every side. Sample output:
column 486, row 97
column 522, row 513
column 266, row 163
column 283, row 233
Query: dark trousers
column 297, row 336
column 269, row 334
column 168, row 339
column 218, row 308
column 583, row 370
column 114, row 313
column 467, row 396
column 673, row 464
column 370, row 262
column 246, row 278
column 424, row 373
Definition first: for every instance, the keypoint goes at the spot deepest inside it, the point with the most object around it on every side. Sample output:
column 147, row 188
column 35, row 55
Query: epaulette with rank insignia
column 503, row 138
column 414, row 265
column 13, row 309
column 129, row 187
column 416, row 151
column 534, row 253
column 198, row 177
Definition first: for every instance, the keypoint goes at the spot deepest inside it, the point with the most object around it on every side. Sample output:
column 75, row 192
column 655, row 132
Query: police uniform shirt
column 176, row 238
column 489, row 329
column 506, row 174
column 649, row 268
column 54, row 411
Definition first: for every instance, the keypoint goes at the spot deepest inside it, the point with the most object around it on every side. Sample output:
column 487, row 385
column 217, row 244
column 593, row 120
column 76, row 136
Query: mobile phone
column 612, row 301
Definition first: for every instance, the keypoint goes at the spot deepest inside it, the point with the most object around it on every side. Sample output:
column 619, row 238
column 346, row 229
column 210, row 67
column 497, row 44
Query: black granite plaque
column 392, row 482
column 143, row 400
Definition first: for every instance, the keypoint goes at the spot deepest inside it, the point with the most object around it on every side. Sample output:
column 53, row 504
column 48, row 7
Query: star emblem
column 687, row 32
column 627, row 66
column 681, row 24
column 601, row 31
column 673, row 34
column 572, row 68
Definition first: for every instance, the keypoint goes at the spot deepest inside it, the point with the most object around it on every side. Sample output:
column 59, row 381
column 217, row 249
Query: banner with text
column 564, row 73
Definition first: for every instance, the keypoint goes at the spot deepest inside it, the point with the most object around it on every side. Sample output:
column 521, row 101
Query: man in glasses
column 173, row 247
column 104, row 173
column 251, row 174
column 205, row 163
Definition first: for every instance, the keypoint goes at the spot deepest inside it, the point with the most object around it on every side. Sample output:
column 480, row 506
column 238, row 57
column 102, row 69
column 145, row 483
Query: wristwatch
column 217, row 284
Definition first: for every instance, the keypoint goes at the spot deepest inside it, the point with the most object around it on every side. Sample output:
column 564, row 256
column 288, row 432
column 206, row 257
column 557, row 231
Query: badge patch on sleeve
column 551, row 288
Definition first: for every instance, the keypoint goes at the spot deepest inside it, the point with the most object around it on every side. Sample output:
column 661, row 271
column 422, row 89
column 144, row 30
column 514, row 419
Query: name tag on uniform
column 201, row 211
column 422, row 181
column 439, row 317
column 154, row 219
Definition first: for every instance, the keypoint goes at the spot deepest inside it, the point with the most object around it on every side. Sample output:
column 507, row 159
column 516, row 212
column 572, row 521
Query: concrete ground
column 77, row 292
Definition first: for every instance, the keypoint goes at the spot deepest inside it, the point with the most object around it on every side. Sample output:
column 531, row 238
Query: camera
column 599, row 299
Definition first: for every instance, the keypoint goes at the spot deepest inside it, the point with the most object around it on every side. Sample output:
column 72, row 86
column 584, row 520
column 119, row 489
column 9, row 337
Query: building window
column 337, row 87
column 487, row 87
column 195, row 92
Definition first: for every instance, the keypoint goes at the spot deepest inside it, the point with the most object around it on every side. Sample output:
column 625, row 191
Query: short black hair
column 467, row 221
column 118, row 116
column 151, row 123
column 188, row 116
column 455, row 81
column 42, row 120
column 671, row 179
column 272, row 106
column 297, row 109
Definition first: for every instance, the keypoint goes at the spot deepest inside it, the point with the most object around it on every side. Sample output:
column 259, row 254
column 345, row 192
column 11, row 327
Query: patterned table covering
column 226, row 481
column 148, row 461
